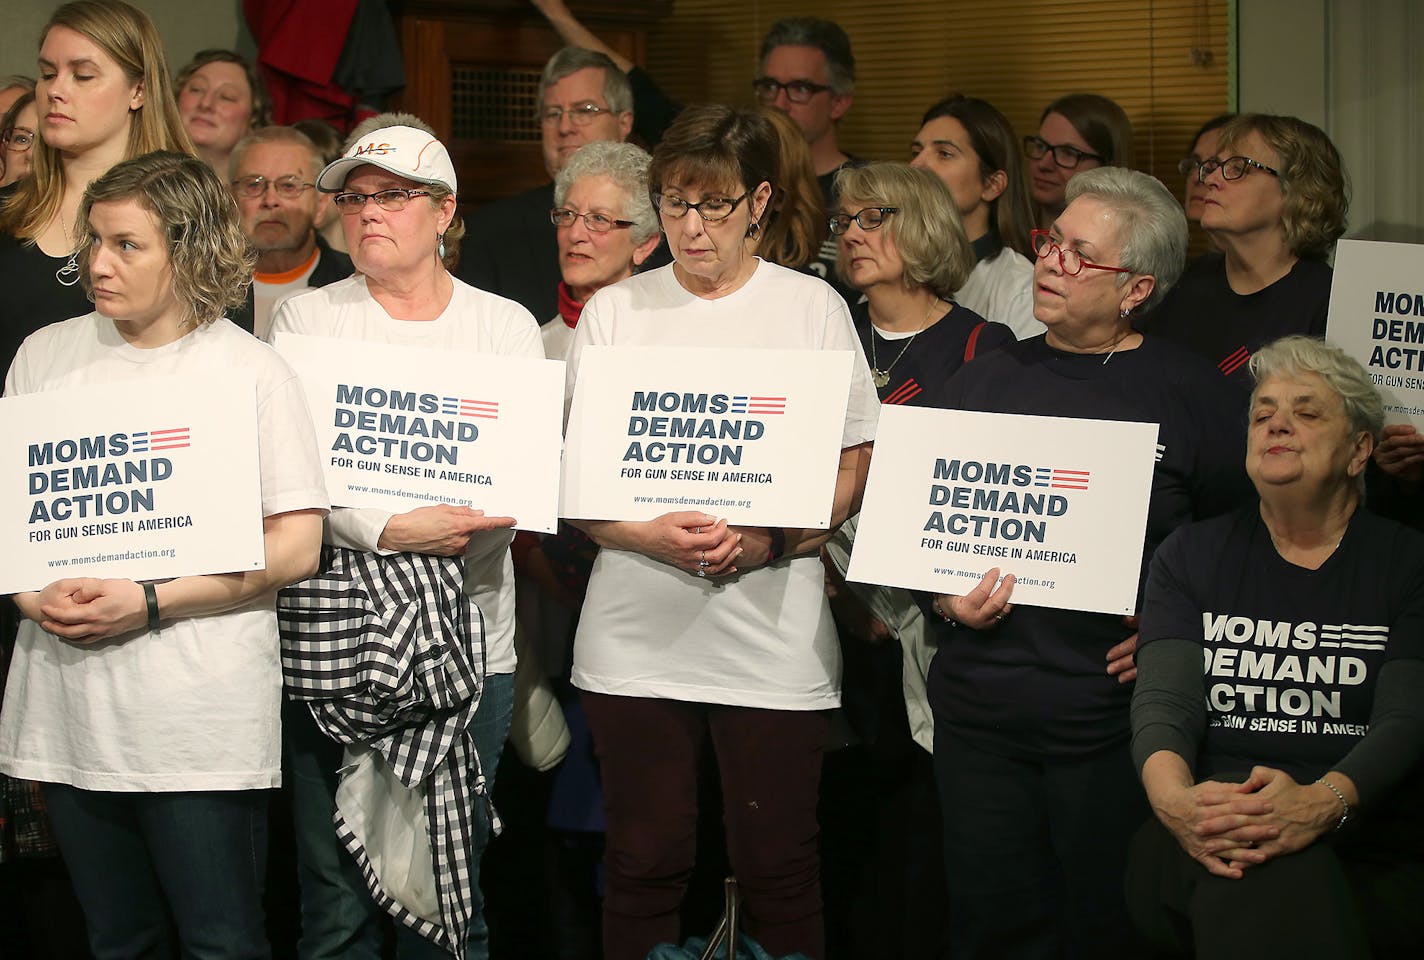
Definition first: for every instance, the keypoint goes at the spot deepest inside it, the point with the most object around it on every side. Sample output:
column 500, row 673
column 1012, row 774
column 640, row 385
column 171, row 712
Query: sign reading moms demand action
column 750, row 435
column 405, row 427
column 1061, row 504
column 1377, row 317
column 119, row 480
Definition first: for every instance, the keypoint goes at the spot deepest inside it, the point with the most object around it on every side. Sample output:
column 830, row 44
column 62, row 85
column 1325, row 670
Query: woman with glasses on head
column 971, row 147
column 150, row 711
column 1030, row 704
column 1076, row 133
column 221, row 99
column 403, row 231
column 102, row 97
column 694, row 630
column 17, row 136
column 902, row 246
column 1275, row 203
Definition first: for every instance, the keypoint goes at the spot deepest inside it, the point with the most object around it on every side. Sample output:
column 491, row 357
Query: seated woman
column 971, row 146
column 605, row 227
column 1030, row 714
column 794, row 228
column 1276, row 203
column 902, row 246
column 1078, row 132
column 150, row 711
column 1285, row 775
column 221, row 99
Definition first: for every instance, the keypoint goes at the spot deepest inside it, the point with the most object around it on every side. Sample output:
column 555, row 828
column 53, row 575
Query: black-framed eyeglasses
column 1232, row 168
column 392, row 200
column 712, row 210
column 580, row 114
column 1070, row 260
column 18, row 139
column 596, row 222
column 1065, row 155
column 797, row 91
column 869, row 218
column 287, row 187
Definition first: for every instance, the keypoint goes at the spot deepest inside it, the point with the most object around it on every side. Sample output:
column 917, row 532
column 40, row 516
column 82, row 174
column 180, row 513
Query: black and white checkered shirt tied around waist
column 388, row 651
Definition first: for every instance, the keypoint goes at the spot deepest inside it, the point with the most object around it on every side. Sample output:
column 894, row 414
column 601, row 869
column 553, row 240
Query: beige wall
column 185, row 25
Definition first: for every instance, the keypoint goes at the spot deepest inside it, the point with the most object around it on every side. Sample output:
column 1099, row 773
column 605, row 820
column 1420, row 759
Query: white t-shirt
column 196, row 705
column 1001, row 288
column 269, row 288
column 557, row 336
column 764, row 638
column 473, row 322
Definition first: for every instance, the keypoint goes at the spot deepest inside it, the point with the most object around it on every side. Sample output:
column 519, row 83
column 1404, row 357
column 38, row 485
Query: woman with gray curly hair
column 605, row 227
column 1284, row 775
column 1030, row 704
column 148, row 711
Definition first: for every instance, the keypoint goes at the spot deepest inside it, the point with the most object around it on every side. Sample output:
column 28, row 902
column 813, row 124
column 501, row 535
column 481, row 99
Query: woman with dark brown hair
column 694, row 630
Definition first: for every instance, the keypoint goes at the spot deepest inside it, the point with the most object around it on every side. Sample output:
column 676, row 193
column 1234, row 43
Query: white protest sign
column 140, row 479
column 1059, row 503
column 750, row 435
column 1377, row 317
column 405, row 427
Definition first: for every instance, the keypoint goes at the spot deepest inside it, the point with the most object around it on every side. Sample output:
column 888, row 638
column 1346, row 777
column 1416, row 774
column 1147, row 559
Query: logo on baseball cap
column 405, row 151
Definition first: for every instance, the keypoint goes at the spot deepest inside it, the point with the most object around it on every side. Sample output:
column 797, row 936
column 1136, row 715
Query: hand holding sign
column 984, row 606
column 441, row 530
column 86, row 610
column 1401, row 454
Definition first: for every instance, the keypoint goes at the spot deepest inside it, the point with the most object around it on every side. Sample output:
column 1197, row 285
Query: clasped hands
column 1230, row 827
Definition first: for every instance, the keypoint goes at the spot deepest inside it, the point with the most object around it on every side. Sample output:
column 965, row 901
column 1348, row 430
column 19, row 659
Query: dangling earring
column 754, row 229
column 441, row 249
column 1125, row 312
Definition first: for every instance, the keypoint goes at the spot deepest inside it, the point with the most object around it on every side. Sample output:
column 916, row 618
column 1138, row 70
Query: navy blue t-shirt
column 1035, row 687
column 921, row 366
column 1291, row 654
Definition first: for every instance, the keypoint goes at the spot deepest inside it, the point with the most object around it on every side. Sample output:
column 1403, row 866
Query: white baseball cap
column 405, row 151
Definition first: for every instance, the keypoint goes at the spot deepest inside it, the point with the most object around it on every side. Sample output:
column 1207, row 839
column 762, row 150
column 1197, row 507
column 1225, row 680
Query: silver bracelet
column 939, row 612
column 1343, row 802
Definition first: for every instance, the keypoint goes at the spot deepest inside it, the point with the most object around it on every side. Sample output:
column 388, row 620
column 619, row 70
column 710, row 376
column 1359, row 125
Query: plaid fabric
column 388, row 651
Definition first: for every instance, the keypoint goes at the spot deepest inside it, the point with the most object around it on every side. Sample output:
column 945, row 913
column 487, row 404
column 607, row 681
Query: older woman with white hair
column 1030, row 704
column 605, row 226
column 1284, row 775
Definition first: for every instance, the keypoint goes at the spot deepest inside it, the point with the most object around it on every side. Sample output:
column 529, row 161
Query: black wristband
column 150, row 599
column 778, row 545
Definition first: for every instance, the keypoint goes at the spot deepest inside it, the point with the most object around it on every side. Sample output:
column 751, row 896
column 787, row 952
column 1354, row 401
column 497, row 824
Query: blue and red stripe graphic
column 147, row 441
column 1057, row 478
column 761, row 406
column 461, row 407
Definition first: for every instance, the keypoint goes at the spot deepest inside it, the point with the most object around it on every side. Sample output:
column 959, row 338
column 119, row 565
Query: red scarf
column 569, row 308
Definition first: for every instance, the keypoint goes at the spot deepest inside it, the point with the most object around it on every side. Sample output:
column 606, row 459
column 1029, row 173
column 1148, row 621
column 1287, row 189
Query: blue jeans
column 340, row 921
column 136, row 857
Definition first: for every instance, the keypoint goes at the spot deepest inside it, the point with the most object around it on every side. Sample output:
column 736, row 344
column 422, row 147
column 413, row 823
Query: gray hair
column 382, row 120
column 274, row 134
column 617, row 91
column 624, row 164
column 826, row 36
column 1152, row 227
column 1364, row 410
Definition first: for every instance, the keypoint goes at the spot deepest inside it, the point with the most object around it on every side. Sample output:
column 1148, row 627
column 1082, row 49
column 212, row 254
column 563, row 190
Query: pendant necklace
column 881, row 377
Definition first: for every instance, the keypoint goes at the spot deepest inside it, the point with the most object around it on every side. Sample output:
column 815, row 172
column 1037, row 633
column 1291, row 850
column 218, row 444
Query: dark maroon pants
column 770, row 766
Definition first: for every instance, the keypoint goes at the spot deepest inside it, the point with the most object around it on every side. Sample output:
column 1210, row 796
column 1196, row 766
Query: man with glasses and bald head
column 273, row 172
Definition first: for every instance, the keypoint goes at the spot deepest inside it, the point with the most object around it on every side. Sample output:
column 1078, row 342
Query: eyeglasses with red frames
column 1071, row 261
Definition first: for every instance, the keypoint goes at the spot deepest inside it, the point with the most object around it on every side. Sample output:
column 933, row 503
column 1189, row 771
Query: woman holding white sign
column 1285, row 775
column 693, row 630
column 395, row 187
column 150, row 711
column 1031, row 735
